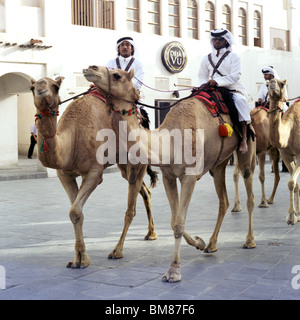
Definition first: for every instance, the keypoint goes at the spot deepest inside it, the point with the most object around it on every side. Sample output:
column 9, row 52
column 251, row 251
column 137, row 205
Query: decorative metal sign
column 174, row 57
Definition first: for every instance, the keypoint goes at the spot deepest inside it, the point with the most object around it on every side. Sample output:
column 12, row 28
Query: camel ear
column 284, row 82
column 59, row 80
column 267, row 83
column 131, row 74
column 33, row 82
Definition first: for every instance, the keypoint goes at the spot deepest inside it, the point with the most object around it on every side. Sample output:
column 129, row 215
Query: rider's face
column 219, row 43
column 125, row 49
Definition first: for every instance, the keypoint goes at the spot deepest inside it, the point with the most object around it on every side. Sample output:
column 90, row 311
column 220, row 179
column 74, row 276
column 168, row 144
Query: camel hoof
column 77, row 265
column 115, row 255
column 172, row 276
column 270, row 201
column 263, row 204
column 200, row 244
column 251, row 245
column 236, row 209
column 291, row 220
column 151, row 236
column 210, row 250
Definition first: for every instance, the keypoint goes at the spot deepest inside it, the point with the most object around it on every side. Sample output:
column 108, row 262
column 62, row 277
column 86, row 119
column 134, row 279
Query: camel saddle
column 213, row 99
column 218, row 100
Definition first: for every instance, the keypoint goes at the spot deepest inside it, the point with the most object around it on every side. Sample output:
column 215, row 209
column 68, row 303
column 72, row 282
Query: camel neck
column 277, row 135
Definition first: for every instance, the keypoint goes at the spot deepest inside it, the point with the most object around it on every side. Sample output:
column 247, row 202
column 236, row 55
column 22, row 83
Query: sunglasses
column 218, row 39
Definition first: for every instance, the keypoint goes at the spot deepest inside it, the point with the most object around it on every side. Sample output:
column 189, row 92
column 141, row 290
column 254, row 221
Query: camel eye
column 116, row 76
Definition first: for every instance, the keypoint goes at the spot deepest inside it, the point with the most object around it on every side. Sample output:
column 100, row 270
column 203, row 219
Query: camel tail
column 145, row 121
column 153, row 176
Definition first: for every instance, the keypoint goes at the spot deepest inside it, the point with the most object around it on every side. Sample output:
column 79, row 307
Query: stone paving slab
column 37, row 242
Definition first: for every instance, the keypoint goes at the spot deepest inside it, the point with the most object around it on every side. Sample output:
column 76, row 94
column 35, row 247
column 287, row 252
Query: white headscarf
column 224, row 33
column 120, row 41
column 270, row 70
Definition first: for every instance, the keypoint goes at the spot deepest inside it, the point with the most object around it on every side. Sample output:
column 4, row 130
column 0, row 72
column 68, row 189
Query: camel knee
column 246, row 173
column 178, row 230
column 75, row 215
column 130, row 215
column 262, row 179
column 236, row 177
column 291, row 185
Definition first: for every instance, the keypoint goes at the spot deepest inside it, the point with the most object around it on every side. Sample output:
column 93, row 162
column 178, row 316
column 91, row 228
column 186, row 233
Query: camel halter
column 111, row 106
column 44, row 147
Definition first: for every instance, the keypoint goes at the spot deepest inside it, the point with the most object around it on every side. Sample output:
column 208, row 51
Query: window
column 226, row 17
column 280, row 39
column 93, row 13
column 133, row 15
column 154, row 16
column 192, row 13
column 2, row 16
column 209, row 16
column 257, row 29
column 31, row 3
column 174, row 15
column 242, row 27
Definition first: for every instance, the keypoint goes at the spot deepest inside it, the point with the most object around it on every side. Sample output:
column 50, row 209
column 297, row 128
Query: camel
column 260, row 123
column 70, row 147
column 285, row 135
column 183, row 120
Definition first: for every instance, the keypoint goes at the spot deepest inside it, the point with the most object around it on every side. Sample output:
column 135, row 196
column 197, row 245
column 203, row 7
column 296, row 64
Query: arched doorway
column 17, row 115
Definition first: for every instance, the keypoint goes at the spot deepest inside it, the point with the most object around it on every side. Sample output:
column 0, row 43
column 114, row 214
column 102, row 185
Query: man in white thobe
column 227, row 74
column 126, row 61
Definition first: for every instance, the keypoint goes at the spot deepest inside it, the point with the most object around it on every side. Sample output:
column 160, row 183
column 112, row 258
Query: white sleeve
column 261, row 93
column 139, row 74
column 111, row 64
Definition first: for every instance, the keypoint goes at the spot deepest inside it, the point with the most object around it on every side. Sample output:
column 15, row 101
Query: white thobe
column 136, row 65
column 230, row 69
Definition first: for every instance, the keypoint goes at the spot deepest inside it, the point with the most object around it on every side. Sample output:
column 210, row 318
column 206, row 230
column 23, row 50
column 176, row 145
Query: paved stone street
column 37, row 242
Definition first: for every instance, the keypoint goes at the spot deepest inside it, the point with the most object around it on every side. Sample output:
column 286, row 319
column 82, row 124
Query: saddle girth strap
column 128, row 66
column 218, row 64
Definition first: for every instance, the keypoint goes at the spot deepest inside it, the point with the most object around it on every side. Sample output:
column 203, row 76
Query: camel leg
column 146, row 195
column 261, row 162
column 274, row 154
column 135, row 181
column 70, row 185
column 220, row 186
column 294, row 170
column 247, row 167
column 236, row 175
column 178, row 219
column 89, row 184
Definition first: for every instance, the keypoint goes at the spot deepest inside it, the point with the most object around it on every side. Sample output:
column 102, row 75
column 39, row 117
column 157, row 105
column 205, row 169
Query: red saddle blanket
column 94, row 92
column 213, row 99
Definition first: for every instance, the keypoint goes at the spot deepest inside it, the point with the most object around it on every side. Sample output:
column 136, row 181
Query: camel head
column 276, row 89
column 45, row 92
column 114, row 82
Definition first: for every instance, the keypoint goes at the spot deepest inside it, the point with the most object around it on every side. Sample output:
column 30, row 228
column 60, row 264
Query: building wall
column 76, row 47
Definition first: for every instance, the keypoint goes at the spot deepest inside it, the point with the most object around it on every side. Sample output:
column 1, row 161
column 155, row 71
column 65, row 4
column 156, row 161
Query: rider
column 126, row 60
column 227, row 75
column 126, row 49
column 263, row 96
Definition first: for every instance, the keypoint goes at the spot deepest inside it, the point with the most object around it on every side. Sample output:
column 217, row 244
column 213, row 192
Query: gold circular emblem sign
column 174, row 57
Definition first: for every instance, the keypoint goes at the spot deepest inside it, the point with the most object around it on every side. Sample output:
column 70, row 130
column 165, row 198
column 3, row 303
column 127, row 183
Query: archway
column 17, row 115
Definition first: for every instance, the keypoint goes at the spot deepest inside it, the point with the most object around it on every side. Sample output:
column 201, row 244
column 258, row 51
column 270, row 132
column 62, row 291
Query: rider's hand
column 212, row 83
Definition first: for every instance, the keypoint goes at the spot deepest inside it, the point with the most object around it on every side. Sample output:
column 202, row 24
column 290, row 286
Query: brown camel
column 186, row 121
column 285, row 135
column 70, row 147
column 260, row 123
